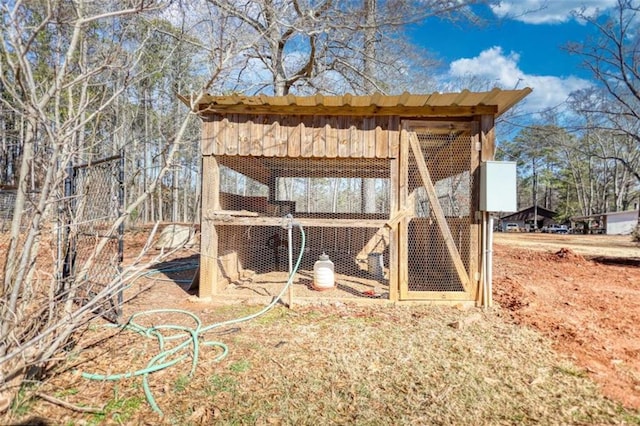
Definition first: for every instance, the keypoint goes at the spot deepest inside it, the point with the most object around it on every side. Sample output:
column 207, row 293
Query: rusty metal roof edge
column 465, row 98
column 521, row 94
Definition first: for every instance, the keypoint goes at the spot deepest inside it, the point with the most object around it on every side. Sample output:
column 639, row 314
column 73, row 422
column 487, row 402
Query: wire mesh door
column 94, row 246
column 438, row 242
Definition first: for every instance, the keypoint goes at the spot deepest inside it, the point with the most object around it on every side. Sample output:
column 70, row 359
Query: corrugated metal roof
column 463, row 103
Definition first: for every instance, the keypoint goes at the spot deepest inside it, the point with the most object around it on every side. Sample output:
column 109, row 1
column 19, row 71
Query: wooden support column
column 208, row 234
column 488, row 138
column 475, row 247
column 487, row 153
column 394, row 208
column 403, row 226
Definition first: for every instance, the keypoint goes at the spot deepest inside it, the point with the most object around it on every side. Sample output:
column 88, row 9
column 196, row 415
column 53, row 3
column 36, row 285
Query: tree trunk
column 368, row 188
column 175, row 194
column 18, row 209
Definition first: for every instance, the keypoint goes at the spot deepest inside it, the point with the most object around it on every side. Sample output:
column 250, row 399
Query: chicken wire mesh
column 382, row 214
column 430, row 263
column 254, row 256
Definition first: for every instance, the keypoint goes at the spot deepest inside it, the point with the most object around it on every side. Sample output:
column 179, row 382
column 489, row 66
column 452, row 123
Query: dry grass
column 343, row 365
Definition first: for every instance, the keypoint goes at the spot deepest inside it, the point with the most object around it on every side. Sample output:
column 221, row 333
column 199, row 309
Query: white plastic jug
column 323, row 273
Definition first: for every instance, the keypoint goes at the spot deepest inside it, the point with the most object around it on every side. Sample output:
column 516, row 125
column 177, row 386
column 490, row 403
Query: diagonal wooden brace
column 437, row 211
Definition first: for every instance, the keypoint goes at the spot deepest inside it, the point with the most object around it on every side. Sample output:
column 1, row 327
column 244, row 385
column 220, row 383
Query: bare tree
column 332, row 47
column 613, row 57
column 59, row 99
column 67, row 70
column 572, row 174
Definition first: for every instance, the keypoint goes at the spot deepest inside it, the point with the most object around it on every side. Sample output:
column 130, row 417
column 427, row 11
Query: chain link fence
column 93, row 248
column 7, row 206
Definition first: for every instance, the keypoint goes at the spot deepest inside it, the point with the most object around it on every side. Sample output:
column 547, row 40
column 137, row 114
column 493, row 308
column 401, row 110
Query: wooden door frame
column 409, row 143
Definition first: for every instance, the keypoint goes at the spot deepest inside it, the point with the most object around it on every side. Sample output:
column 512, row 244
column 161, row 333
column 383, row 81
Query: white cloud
column 498, row 69
column 491, row 64
column 549, row 11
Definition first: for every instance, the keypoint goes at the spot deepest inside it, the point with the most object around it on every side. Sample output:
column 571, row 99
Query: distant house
column 612, row 223
column 527, row 218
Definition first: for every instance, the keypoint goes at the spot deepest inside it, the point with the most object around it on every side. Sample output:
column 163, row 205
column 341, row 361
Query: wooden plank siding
column 257, row 133
column 319, row 137
column 244, row 136
column 369, row 145
column 294, row 127
column 331, row 137
column 301, row 136
column 306, row 147
column 229, row 136
column 211, row 135
column 344, row 137
column 271, row 132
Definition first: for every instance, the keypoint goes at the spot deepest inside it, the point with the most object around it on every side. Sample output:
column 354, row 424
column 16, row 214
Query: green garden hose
column 191, row 337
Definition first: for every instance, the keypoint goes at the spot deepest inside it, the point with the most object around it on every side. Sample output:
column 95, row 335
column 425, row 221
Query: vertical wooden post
column 403, row 226
column 487, row 133
column 394, row 208
column 208, row 234
column 487, row 153
column 475, row 251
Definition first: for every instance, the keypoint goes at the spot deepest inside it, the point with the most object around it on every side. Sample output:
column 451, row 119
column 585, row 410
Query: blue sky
column 520, row 47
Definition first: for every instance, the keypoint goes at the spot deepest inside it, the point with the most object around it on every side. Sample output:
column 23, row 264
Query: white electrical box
column 498, row 191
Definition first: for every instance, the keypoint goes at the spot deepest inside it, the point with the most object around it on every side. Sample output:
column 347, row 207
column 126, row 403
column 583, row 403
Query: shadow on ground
column 180, row 271
column 618, row 261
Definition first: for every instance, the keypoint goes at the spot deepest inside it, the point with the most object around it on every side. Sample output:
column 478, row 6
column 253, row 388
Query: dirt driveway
column 586, row 245
column 583, row 292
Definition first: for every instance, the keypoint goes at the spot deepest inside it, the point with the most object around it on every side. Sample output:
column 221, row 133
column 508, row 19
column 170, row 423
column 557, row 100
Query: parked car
column 512, row 227
column 556, row 229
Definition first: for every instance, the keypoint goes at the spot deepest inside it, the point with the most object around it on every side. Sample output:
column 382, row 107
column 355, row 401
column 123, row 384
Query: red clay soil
column 590, row 308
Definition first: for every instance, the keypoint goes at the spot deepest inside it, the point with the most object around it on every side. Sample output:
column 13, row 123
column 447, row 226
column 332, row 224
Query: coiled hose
column 191, row 338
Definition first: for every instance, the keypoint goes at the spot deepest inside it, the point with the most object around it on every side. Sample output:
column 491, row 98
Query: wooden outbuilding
column 387, row 186
column 610, row 223
column 529, row 219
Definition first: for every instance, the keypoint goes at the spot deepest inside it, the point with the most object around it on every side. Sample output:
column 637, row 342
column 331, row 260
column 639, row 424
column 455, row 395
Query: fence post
column 70, row 202
column 121, row 209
